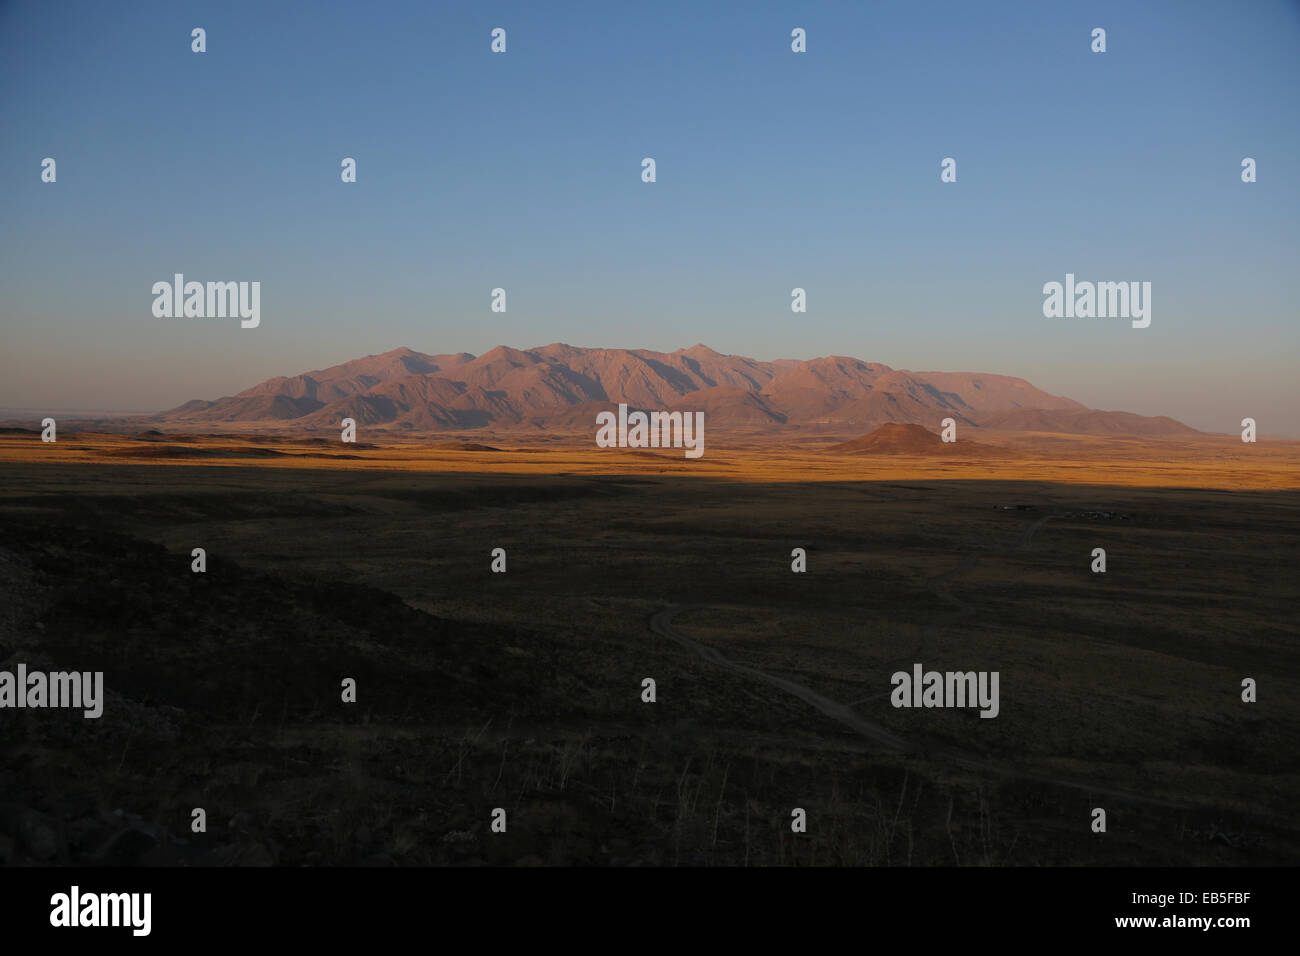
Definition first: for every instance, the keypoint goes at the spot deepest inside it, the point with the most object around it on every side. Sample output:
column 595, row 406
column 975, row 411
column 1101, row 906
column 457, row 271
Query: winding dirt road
column 662, row 623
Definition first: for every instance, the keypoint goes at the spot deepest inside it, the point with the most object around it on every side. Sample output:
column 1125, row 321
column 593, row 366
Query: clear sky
column 522, row 170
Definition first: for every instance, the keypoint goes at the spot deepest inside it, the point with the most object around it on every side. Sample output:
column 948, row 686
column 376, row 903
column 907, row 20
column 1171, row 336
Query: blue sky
column 775, row 170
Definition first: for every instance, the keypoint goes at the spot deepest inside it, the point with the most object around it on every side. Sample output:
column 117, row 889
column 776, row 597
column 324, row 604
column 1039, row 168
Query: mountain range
column 561, row 387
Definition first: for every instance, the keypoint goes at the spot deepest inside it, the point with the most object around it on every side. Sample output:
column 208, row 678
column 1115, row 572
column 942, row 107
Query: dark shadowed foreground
column 523, row 690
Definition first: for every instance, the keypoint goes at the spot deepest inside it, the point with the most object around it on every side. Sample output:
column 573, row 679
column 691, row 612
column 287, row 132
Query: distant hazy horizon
column 11, row 412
